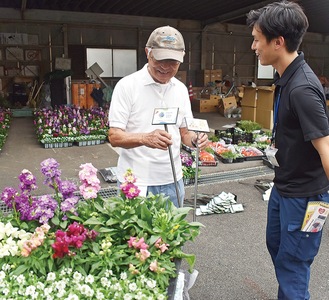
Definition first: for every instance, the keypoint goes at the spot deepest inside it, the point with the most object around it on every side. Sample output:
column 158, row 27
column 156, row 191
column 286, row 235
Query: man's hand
column 159, row 139
column 202, row 141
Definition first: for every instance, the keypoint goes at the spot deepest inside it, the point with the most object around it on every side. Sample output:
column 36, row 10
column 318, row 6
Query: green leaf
column 93, row 221
column 55, row 220
column 19, row 270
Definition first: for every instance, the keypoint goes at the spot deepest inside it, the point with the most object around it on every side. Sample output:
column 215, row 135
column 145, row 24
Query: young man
column 144, row 147
column 301, row 139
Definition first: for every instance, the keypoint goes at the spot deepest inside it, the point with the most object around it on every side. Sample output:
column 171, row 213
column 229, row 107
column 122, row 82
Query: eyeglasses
column 168, row 62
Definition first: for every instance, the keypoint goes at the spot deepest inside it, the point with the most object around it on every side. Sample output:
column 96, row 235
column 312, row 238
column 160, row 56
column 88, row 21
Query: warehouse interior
column 48, row 42
column 44, row 61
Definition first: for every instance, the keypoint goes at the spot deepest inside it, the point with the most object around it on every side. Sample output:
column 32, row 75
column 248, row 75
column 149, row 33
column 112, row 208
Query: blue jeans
column 292, row 251
column 170, row 191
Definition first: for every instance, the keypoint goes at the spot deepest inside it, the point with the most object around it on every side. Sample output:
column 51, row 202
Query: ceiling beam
column 238, row 13
column 23, row 9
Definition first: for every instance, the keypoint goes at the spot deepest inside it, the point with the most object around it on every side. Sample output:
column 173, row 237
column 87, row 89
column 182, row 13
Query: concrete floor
column 232, row 259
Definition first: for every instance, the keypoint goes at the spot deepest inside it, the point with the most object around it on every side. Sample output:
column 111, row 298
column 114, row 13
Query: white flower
column 139, row 296
column 40, row 285
column 20, row 279
column 2, row 275
column 161, row 297
column 72, row 297
column 100, row 295
column 151, row 283
column 123, row 275
column 127, row 297
column 117, row 287
column 12, row 246
column 105, row 282
column 60, row 285
column 6, row 267
column 132, row 286
column 90, row 279
column 51, row 276
column 5, row 291
column 60, row 293
column 30, row 290
column 48, row 291
column 77, row 277
column 86, row 290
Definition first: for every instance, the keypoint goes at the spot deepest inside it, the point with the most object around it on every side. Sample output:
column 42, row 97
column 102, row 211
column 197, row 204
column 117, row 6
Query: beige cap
column 167, row 43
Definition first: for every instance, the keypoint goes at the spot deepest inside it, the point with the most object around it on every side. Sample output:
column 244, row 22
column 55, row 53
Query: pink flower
column 88, row 191
column 131, row 241
column 161, row 245
column 143, row 254
column 154, row 267
column 129, row 176
column 137, row 243
column 90, row 183
column 130, row 190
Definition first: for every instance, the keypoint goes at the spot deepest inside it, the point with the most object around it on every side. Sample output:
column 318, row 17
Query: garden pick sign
column 168, row 116
column 196, row 125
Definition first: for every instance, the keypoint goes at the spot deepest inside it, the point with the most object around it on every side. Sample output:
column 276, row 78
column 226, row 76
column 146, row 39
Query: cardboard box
column 249, row 96
column 215, row 75
column 248, row 113
column 226, row 103
column 265, row 98
column 264, row 117
column 204, row 105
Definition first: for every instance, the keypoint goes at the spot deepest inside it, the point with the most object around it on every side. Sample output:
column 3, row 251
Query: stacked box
column 264, row 109
column 203, row 77
column 248, row 104
column 205, row 105
column 257, row 105
column 225, row 104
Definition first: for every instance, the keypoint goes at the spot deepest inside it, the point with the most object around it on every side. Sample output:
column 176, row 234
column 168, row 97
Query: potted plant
column 188, row 168
column 84, row 246
column 228, row 156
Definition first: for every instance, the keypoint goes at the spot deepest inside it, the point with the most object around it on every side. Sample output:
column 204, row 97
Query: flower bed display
column 5, row 118
column 70, row 245
column 68, row 125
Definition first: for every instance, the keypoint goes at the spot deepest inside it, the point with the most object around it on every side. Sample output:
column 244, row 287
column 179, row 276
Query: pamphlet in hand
column 315, row 216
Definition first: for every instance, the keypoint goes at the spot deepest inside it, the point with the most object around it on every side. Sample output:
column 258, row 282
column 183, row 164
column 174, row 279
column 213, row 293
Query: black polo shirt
column 302, row 117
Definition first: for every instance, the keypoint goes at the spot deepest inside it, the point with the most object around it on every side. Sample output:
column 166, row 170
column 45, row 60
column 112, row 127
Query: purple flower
column 69, row 204
column 67, row 188
column 8, row 196
column 27, row 181
column 49, row 168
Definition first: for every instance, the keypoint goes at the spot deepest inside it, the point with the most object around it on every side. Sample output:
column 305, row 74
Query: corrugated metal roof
column 205, row 11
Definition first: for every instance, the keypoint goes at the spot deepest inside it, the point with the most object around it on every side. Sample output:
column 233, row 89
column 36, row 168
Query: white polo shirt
column 132, row 107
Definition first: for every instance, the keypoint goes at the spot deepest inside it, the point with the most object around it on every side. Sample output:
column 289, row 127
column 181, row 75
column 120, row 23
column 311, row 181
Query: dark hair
column 284, row 18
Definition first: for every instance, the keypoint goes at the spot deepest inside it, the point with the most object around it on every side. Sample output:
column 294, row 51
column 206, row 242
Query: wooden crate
column 79, row 94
